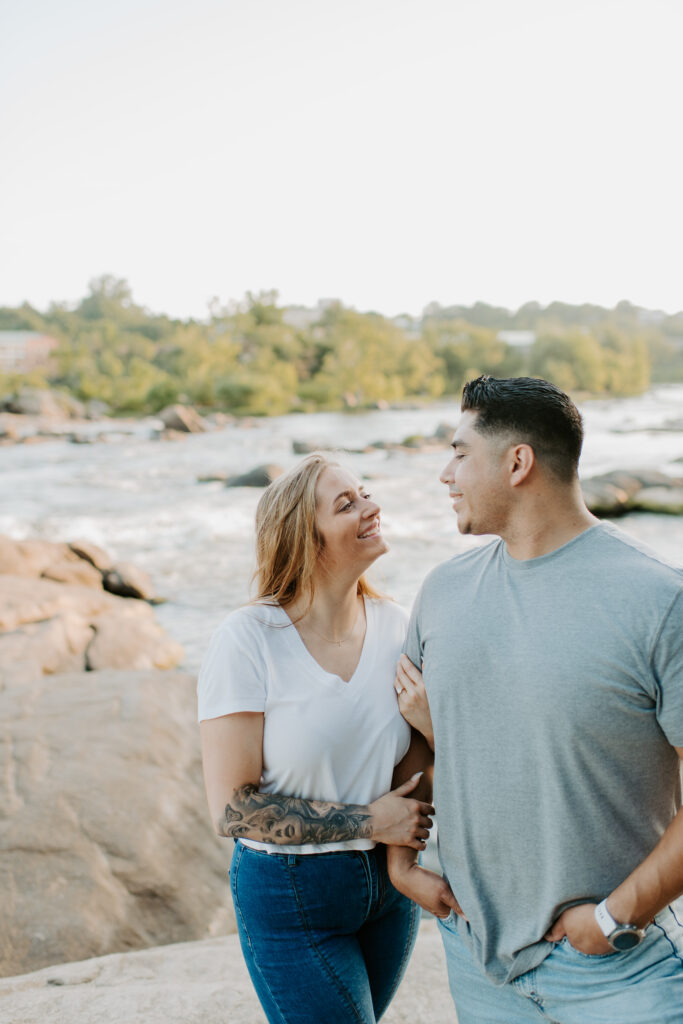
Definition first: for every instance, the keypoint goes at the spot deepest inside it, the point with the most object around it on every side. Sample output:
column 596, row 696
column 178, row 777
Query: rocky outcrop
column 260, row 476
column 622, row 491
column 53, row 405
column 48, row 627
column 196, row 983
column 56, row 617
column 105, row 839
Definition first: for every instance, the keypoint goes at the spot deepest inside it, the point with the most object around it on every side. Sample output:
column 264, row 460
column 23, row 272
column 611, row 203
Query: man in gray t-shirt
column 553, row 665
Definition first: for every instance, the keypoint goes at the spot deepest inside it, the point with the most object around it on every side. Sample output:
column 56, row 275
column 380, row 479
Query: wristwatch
column 621, row 937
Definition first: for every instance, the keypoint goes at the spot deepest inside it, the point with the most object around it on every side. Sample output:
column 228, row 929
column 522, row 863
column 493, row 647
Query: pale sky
column 385, row 152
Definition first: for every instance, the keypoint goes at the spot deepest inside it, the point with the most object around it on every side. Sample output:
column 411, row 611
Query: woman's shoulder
column 250, row 620
column 388, row 611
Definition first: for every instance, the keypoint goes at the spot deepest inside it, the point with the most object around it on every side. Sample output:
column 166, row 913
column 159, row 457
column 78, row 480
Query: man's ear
column 522, row 461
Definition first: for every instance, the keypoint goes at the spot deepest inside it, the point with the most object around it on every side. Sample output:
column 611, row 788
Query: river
column 139, row 498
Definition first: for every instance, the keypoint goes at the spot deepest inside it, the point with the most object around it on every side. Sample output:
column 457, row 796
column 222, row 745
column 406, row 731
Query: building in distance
column 23, row 351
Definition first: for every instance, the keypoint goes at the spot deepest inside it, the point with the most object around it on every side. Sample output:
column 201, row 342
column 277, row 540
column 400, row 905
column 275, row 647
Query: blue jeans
column 326, row 937
column 643, row 986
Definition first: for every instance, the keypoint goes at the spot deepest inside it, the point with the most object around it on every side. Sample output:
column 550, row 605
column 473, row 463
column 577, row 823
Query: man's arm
column 656, row 882
column 425, row 887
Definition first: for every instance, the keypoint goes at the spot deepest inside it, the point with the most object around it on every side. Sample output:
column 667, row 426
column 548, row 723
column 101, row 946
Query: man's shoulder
column 462, row 564
column 642, row 559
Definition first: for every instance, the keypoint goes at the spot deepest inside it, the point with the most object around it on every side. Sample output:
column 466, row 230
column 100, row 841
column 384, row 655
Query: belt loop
column 292, row 860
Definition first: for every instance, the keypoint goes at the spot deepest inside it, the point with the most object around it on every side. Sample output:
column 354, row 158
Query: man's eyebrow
column 458, row 443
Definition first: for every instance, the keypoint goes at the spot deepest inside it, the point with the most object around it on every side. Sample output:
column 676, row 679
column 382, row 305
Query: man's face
column 476, row 478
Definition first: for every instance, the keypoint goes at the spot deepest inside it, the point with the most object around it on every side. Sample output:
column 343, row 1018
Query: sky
column 388, row 153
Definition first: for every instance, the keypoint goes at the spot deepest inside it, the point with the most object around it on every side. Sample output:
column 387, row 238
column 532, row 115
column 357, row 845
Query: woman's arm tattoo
column 271, row 818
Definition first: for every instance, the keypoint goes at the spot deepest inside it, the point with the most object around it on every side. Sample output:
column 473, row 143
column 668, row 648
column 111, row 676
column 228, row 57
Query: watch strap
column 605, row 920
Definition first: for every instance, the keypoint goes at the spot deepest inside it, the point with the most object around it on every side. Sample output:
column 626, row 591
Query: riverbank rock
column 48, row 627
column 56, row 616
column 184, row 419
column 260, row 476
column 53, row 405
column 126, row 580
column 105, row 839
column 196, row 983
column 622, row 491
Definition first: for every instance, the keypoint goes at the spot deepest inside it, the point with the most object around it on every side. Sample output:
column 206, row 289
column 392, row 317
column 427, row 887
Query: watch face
column 625, row 940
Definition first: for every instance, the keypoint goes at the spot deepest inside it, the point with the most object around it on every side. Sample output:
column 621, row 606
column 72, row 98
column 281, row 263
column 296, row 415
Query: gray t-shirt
column 556, row 691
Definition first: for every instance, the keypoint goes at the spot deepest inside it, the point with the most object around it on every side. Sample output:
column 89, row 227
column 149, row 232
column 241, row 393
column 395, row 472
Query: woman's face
column 348, row 521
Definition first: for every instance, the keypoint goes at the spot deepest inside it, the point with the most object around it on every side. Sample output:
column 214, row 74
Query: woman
column 300, row 737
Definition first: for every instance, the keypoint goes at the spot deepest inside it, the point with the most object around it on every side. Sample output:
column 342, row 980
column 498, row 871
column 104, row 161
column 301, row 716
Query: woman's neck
column 333, row 612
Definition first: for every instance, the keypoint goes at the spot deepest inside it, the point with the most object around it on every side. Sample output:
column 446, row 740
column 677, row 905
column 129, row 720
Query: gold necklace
column 337, row 642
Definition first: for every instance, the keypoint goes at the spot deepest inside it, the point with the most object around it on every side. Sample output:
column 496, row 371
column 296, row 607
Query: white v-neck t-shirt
column 324, row 738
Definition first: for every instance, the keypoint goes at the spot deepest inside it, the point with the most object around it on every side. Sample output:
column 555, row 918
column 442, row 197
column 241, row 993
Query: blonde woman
column 301, row 734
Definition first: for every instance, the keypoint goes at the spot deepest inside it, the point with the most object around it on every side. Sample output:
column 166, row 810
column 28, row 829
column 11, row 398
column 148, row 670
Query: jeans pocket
column 566, row 944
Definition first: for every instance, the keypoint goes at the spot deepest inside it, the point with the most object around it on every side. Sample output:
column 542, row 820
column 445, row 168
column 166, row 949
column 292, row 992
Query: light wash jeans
column 326, row 937
column 643, row 986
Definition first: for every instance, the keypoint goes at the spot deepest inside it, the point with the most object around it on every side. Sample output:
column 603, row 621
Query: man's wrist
column 621, row 935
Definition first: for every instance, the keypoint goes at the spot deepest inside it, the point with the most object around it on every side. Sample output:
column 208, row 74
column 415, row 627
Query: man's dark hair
column 533, row 411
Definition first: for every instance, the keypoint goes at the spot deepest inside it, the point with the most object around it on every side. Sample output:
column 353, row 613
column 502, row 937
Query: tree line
column 253, row 357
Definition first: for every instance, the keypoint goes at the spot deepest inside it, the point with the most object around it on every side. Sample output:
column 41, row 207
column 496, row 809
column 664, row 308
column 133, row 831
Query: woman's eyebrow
column 343, row 494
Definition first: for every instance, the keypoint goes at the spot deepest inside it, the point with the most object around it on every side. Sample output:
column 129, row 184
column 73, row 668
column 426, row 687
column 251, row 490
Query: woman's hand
column 412, row 698
column 400, row 821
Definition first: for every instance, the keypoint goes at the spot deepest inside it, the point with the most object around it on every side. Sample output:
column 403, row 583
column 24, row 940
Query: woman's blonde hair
column 288, row 544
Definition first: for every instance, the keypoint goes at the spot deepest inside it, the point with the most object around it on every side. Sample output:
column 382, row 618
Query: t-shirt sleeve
column 233, row 673
column 668, row 669
column 413, row 643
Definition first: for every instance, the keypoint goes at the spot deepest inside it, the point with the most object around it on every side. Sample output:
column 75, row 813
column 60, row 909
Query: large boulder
column 48, row 627
column 41, row 648
column 105, row 839
column 125, row 639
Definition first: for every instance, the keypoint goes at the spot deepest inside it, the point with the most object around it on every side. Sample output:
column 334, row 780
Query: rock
column 73, row 569
column 126, row 580
column 183, row 418
column 96, row 410
column 9, row 430
column 604, row 498
column 667, row 500
column 122, row 626
column 41, row 648
column 195, row 983
column 126, row 639
column 203, row 982
column 105, row 839
column 29, row 557
column 618, row 492
column 91, row 553
column 53, row 405
column 170, row 435
column 260, row 476
column 54, row 561
column 25, row 600
column 307, row 447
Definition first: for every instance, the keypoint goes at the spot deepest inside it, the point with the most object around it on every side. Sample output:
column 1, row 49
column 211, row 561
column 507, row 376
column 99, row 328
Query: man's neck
column 547, row 525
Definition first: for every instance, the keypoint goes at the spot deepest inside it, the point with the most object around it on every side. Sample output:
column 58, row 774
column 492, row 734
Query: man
column 553, row 665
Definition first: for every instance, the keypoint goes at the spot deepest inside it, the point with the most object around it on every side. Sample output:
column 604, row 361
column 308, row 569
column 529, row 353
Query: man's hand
column 582, row 930
column 424, row 887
